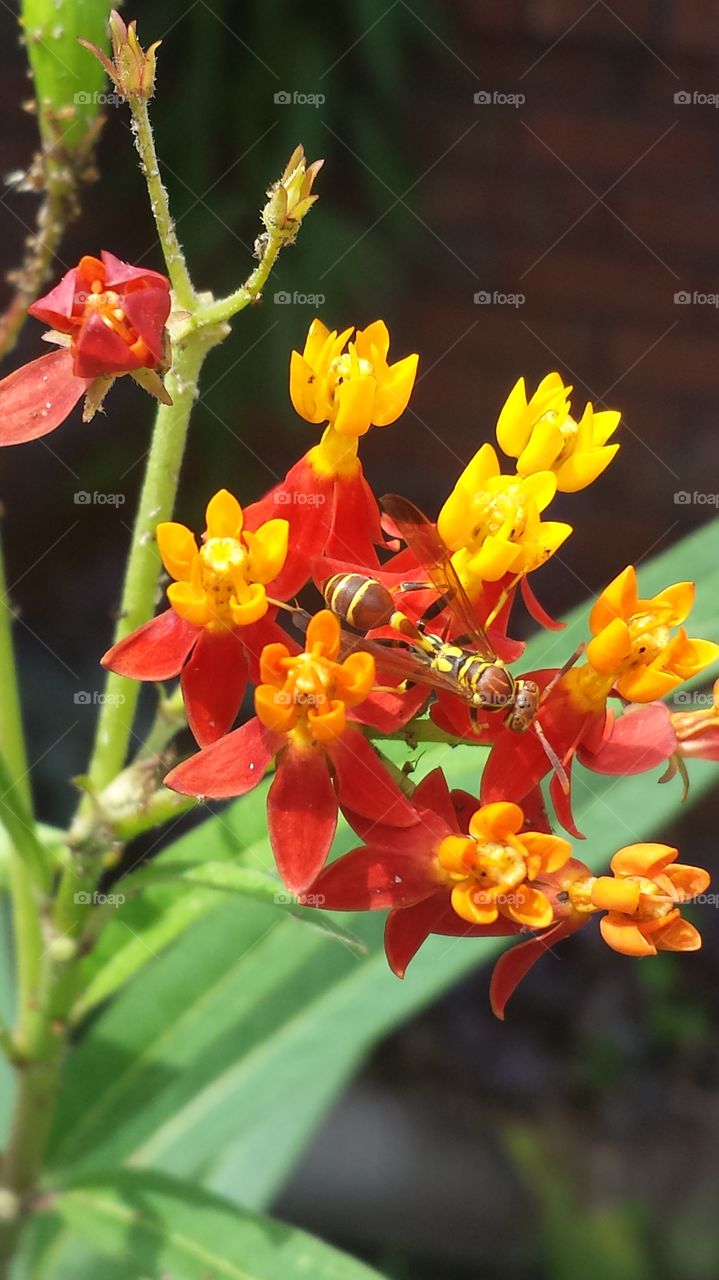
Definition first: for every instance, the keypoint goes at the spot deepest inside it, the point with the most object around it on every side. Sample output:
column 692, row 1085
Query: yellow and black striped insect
column 469, row 667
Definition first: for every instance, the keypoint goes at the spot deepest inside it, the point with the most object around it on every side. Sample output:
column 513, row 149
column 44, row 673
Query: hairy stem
column 171, row 247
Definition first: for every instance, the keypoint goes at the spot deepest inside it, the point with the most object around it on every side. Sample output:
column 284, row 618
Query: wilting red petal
column 363, row 784
column 634, row 742
column 214, row 680
column 514, row 965
column 230, row 767
column 371, row 878
column 536, row 610
column 155, row 651
column 38, row 396
column 302, row 815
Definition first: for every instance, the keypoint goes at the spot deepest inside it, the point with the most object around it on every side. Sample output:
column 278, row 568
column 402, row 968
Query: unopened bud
column 132, row 68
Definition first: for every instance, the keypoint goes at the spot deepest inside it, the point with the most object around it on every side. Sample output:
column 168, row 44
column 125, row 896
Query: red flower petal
column 513, row 965
column 389, row 711
column 302, row 815
column 305, row 500
column 230, row 767
column 55, row 307
column 38, row 396
column 407, row 928
column 155, row 651
column 147, row 311
column 372, row 878
column 99, row 350
column 635, row 742
column 433, row 793
column 536, row 610
column 214, row 680
column 355, row 524
column 119, row 273
column 363, row 784
column 255, row 636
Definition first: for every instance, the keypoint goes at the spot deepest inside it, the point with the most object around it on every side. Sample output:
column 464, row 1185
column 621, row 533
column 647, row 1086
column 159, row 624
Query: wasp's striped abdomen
column 361, row 601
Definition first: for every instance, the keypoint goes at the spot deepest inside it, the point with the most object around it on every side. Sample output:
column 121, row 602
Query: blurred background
column 514, row 188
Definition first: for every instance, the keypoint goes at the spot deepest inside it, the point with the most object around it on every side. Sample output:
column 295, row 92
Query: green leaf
column 234, row 877
column 68, row 80
column 201, row 1062
column 149, row 1225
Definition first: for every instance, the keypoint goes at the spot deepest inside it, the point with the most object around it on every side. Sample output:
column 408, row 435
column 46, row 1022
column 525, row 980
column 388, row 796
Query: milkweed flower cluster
column 411, row 635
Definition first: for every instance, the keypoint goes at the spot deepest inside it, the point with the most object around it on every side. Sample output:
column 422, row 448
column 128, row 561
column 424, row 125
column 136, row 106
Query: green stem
column 139, row 593
column 225, row 308
column 171, row 247
column 17, row 808
column 421, row 731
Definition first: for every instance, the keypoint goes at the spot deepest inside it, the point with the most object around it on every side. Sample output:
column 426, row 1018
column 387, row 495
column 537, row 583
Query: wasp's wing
column 423, row 539
column 404, row 661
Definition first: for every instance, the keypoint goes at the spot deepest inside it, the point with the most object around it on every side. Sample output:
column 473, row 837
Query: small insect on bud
column 132, row 68
column 291, row 197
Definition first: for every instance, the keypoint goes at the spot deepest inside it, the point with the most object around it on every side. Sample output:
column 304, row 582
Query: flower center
column 310, row 684
column 107, row 304
column 503, row 512
column 650, row 634
column 223, row 570
column 348, row 365
column 492, row 865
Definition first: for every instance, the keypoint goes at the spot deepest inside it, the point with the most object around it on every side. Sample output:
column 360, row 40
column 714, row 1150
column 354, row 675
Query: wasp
column 467, row 667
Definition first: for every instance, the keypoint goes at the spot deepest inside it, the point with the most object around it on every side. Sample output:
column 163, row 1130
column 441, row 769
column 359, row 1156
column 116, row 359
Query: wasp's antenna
column 556, row 763
column 562, row 672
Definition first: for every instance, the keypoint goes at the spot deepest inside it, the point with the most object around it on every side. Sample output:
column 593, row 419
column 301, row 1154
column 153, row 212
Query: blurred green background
column 588, row 1124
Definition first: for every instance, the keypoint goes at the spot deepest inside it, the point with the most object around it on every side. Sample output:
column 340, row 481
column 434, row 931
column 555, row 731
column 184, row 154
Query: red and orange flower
column 220, row 614
column 303, row 704
column 109, row 319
